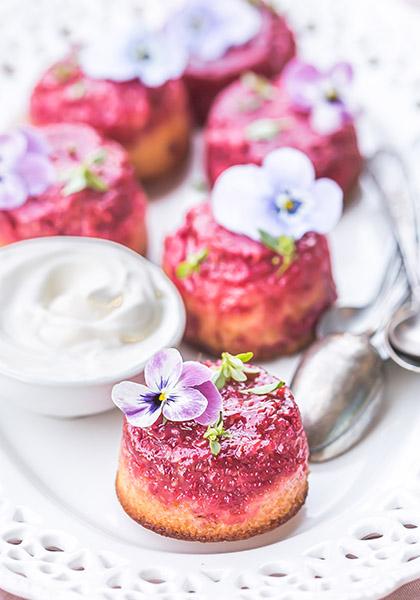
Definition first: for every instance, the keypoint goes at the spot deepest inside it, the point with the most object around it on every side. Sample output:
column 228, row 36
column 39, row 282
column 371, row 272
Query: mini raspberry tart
column 227, row 39
column 128, row 87
column 253, row 265
column 303, row 109
column 242, row 474
column 65, row 179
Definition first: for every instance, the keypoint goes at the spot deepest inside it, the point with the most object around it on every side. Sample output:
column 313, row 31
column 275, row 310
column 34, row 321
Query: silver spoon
column 403, row 331
column 339, row 382
column 360, row 319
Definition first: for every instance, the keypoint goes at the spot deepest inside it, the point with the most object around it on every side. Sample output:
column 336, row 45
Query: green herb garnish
column 283, row 245
column 261, row 86
column 262, row 390
column 214, row 433
column 233, row 367
column 64, row 71
column 264, row 130
column 191, row 264
column 83, row 176
column 77, row 90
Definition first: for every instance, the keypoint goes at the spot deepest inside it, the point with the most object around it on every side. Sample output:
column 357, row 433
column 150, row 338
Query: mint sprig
column 191, row 264
column 263, row 390
column 233, row 367
column 214, row 433
column 283, row 245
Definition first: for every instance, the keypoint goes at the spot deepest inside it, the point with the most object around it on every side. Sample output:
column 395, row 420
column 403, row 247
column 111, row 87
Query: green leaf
column 215, row 447
column 191, row 264
column 233, row 367
column 264, row 130
column 82, row 177
column 245, row 356
column 94, row 182
column 262, row 390
column 261, row 86
column 77, row 90
column 64, row 71
column 213, row 433
column 284, row 245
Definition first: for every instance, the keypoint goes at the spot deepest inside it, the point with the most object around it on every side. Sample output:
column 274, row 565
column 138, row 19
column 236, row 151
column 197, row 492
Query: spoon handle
column 392, row 178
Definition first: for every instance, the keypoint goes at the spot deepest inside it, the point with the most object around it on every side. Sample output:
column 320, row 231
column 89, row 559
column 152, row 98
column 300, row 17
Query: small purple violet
column 322, row 94
column 25, row 167
column 180, row 391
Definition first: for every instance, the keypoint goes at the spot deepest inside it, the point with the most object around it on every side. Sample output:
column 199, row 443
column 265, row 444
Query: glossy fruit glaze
column 117, row 214
column 266, row 446
column 267, row 53
column 239, row 297
column 227, row 140
column 119, row 110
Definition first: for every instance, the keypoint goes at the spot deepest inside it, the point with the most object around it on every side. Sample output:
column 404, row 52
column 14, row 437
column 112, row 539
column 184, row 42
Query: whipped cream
column 78, row 309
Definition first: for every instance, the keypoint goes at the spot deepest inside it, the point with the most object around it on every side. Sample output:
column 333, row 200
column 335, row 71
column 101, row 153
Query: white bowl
column 87, row 395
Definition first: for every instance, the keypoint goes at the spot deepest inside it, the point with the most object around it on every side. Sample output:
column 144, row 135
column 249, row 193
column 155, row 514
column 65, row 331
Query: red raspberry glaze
column 267, row 445
column 335, row 155
column 119, row 110
column 117, row 214
column 266, row 53
column 238, row 299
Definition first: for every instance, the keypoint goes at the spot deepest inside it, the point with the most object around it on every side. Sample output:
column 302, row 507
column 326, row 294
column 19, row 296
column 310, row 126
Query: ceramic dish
column 78, row 390
column 63, row 535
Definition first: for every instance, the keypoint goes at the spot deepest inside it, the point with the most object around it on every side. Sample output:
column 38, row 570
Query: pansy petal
column 214, row 406
column 35, row 141
column 328, row 205
column 184, row 405
column 194, row 373
column 37, row 171
column 341, row 74
column 13, row 192
column 327, row 117
column 137, row 402
column 108, row 58
column 302, row 81
column 238, row 198
column 12, row 148
column 163, row 370
column 289, row 168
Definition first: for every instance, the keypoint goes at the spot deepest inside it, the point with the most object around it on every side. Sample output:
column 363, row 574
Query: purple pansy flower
column 209, row 28
column 153, row 57
column 25, row 167
column 180, row 391
column 323, row 94
column 280, row 198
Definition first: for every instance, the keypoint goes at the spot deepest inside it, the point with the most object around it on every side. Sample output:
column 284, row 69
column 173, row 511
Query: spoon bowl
column 339, row 404
column 400, row 338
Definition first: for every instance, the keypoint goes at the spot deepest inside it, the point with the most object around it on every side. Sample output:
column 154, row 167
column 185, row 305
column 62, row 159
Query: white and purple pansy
column 280, row 198
column 209, row 29
column 153, row 57
column 25, row 167
column 180, row 391
column 325, row 95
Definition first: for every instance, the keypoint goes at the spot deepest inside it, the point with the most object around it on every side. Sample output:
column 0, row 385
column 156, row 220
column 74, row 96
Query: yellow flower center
column 163, row 396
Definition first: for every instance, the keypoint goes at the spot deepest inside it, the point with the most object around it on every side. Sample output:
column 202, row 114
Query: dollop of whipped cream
column 75, row 309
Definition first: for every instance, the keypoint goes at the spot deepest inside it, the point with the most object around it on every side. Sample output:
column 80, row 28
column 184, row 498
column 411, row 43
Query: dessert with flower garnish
column 65, row 179
column 127, row 85
column 225, row 39
column 252, row 265
column 304, row 108
column 210, row 452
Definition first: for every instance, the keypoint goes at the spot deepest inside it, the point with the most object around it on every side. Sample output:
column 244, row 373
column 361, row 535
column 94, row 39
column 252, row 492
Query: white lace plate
column 358, row 536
